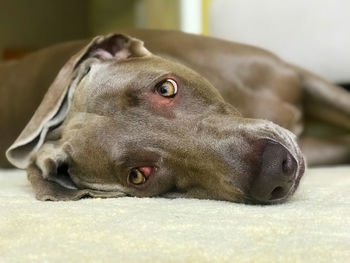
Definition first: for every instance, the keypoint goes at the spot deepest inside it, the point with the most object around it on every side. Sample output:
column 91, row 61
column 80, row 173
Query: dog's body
column 257, row 83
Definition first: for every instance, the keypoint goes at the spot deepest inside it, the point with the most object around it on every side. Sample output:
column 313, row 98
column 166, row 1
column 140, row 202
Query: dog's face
column 144, row 126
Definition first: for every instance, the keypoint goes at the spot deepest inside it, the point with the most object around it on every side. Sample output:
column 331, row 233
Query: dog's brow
column 157, row 79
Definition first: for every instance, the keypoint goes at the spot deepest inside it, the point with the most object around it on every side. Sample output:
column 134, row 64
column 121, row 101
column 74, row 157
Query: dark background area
column 346, row 86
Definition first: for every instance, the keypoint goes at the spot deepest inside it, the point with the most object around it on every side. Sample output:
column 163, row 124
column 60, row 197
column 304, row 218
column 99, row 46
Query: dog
column 179, row 116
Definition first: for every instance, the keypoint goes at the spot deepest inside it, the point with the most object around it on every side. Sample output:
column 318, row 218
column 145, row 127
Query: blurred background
column 314, row 34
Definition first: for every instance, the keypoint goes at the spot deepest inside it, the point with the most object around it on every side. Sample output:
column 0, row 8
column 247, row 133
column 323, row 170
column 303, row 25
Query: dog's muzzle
column 281, row 167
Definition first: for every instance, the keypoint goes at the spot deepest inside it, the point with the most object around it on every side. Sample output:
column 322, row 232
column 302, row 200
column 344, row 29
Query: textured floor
column 312, row 227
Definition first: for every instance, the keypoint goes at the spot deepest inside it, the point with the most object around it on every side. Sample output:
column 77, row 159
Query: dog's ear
column 56, row 102
column 47, row 190
column 49, row 175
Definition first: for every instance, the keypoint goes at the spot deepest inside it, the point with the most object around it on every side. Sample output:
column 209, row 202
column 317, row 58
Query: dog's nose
column 277, row 173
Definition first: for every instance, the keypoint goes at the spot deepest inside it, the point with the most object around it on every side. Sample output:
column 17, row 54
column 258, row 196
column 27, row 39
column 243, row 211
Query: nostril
column 277, row 193
column 289, row 165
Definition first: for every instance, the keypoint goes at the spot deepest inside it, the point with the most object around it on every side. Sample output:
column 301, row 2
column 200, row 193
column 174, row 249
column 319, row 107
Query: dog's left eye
column 167, row 89
column 139, row 175
column 136, row 177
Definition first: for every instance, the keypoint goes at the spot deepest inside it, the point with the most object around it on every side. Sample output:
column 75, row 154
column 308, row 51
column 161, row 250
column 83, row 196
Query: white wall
column 314, row 34
column 191, row 16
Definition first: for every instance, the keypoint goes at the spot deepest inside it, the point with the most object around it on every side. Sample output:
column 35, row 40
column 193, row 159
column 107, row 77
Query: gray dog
column 182, row 116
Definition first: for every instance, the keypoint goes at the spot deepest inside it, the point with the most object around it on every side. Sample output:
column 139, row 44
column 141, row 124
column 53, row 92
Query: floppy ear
column 47, row 190
column 48, row 172
column 56, row 102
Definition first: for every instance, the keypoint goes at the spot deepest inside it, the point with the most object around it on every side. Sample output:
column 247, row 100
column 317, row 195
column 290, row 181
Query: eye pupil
column 136, row 176
column 164, row 89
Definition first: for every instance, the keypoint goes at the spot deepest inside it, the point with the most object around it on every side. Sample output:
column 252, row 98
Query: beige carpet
column 313, row 227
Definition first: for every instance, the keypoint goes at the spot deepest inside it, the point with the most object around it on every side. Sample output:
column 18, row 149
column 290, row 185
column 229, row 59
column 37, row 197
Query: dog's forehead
column 126, row 90
column 143, row 69
column 115, row 79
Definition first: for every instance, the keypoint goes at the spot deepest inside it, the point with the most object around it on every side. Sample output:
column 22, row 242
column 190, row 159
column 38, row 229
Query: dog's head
column 119, row 120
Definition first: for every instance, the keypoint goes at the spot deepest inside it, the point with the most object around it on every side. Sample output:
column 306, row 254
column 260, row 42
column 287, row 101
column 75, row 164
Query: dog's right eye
column 168, row 88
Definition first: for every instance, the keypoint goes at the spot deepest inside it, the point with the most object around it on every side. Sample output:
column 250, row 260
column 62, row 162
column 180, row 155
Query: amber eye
column 136, row 176
column 167, row 88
